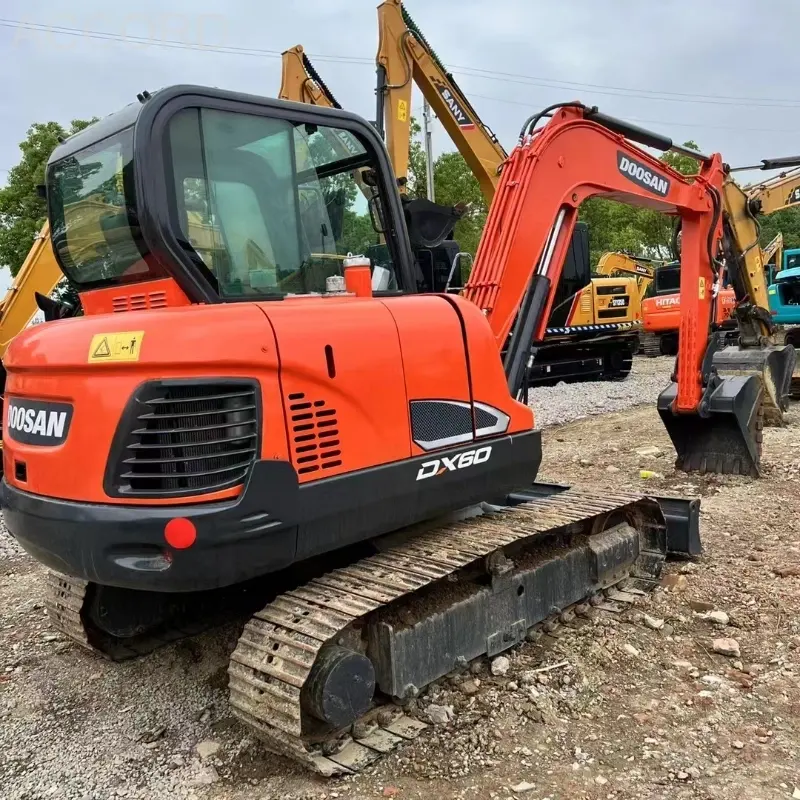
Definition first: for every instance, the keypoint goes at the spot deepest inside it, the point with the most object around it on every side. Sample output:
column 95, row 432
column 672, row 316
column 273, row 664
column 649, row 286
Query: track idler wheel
column 340, row 687
column 724, row 436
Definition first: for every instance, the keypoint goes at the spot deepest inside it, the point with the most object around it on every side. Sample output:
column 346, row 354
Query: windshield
column 791, row 261
column 95, row 234
column 270, row 206
column 666, row 280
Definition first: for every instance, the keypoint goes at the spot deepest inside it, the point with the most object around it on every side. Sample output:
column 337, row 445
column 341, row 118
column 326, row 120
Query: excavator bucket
column 725, row 435
column 745, row 388
column 774, row 364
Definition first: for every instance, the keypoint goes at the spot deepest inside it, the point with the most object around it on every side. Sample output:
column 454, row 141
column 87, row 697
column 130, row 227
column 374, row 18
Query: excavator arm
column 773, row 250
column 712, row 417
column 547, row 177
column 405, row 57
column 777, row 193
column 39, row 273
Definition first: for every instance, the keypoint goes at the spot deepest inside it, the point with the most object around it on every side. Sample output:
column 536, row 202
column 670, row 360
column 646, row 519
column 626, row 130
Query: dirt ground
column 636, row 705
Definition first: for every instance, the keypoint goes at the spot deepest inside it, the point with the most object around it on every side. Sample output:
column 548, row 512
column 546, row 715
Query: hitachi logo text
column 642, row 176
column 444, row 464
column 43, row 423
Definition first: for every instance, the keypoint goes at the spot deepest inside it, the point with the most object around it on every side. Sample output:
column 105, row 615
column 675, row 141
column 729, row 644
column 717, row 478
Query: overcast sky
column 729, row 64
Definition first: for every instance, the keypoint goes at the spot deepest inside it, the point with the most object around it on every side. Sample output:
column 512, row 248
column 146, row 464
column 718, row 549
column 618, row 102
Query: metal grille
column 316, row 444
column 187, row 438
column 433, row 420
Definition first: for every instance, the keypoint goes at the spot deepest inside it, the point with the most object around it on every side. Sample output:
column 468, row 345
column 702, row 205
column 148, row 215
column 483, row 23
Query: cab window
column 270, row 206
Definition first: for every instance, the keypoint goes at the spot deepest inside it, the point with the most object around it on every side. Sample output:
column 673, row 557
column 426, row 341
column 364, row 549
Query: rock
column 630, row 649
column 796, row 794
column 712, row 680
column 683, row 776
column 152, row 735
column 612, row 469
column 523, row 787
column 652, row 622
column 717, row 617
column 678, row 583
column 726, row 647
column 500, row 666
column 470, row 686
column 205, row 777
column 207, row 749
column 585, row 462
column 390, row 791
column 790, row 571
column 700, row 606
column 439, row 715
column 687, row 665
column 694, row 772
column 650, row 451
column 737, row 744
column 600, row 780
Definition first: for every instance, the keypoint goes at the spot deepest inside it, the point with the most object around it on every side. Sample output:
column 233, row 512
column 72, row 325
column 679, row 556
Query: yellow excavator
column 39, row 274
column 616, row 264
column 593, row 327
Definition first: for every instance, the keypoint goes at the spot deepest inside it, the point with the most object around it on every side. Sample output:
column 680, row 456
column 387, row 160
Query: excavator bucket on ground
column 743, row 388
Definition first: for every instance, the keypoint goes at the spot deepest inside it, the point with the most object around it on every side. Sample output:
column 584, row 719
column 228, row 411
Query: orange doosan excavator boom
column 250, row 406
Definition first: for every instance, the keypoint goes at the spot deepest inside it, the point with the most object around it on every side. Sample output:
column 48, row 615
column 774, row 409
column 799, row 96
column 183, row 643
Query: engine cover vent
column 314, row 433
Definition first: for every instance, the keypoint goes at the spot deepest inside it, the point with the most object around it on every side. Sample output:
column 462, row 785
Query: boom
column 301, row 83
column 530, row 223
column 404, row 56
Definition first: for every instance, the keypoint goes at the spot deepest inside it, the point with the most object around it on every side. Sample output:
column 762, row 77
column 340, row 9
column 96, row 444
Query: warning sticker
column 402, row 111
column 123, row 346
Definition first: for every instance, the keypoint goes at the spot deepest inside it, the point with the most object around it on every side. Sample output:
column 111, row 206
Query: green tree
column 22, row 210
column 786, row 222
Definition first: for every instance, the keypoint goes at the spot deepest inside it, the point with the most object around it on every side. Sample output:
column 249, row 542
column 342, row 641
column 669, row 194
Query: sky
column 716, row 71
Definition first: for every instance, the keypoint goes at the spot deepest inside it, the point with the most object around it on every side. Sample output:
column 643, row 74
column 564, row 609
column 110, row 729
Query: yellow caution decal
column 702, row 291
column 124, row 346
column 402, row 111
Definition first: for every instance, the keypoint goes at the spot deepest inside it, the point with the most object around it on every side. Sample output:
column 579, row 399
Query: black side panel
column 274, row 523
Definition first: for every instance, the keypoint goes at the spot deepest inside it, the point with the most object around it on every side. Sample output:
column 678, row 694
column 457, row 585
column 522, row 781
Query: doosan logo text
column 642, row 175
column 469, row 458
column 38, row 422
column 43, row 423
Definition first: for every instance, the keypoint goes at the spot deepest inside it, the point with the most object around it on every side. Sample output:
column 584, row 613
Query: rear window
column 94, row 227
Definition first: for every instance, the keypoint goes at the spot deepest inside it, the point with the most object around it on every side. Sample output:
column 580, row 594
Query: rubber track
column 279, row 645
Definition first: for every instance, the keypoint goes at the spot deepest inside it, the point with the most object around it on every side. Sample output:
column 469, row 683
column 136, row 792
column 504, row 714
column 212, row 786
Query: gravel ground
column 629, row 706
column 567, row 402
column 9, row 549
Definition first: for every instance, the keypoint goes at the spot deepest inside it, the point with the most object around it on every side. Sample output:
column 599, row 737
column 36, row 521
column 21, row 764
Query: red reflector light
column 180, row 533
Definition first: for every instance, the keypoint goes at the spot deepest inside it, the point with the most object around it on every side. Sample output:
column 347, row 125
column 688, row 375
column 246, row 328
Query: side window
column 271, row 206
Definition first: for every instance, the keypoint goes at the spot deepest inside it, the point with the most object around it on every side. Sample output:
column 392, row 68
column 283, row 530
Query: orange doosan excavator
column 246, row 401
